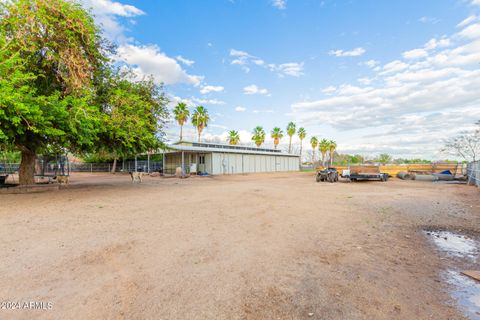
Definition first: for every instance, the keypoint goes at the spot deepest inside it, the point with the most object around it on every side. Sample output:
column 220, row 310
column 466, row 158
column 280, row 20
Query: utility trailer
column 364, row 172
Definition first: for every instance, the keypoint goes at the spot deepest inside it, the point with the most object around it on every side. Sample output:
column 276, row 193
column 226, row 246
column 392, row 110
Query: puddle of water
column 455, row 244
column 465, row 290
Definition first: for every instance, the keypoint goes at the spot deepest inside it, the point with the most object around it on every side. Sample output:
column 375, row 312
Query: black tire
column 318, row 178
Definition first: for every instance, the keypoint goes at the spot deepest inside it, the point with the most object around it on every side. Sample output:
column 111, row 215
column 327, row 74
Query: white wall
column 232, row 163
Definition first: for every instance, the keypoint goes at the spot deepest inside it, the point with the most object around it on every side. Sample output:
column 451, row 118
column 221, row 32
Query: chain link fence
column 473, row 173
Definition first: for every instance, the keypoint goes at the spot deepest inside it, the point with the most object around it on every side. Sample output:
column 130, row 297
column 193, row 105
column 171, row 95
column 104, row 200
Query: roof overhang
column 174, row 148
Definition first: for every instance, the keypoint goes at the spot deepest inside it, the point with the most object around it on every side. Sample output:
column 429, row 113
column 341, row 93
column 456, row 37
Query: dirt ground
column 265, row 246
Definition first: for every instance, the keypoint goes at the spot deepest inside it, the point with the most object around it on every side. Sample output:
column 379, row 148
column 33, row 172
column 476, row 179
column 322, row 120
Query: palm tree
column 314, row 144
column 233, row 137
column 291, row 128
column 200, row 119
column 258, row 136
column 277, row 134
column 323, row 146
column 301, row 135
column 181, row 113
column 332, row 146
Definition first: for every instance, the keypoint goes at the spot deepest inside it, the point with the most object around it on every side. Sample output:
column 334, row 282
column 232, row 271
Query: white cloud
column 185, row 61
column 414, row 104
column 437, row 43
column 207, row 101
column 476, row 2
column 471, row 32
column 254, row 89
column 371, row 63
column 280, row 4
column 293, row 69
column 365, row 81
column 240, row 109
column 352, row 53
column 208, row 89
column 431, row 20
column 393, row 66
column 244, row 59
column 106, row 14
column 468, row 20
column 415, row 54
column 329, row 89
column 143, row 60
column 149, row 60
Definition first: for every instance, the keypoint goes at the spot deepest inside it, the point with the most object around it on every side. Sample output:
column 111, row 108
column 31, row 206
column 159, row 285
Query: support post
column 164, row 162
column 148, row 162
column 183, row 163
column 135, row 163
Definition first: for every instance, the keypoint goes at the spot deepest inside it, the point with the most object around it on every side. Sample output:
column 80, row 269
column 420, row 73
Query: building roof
column 223, row 148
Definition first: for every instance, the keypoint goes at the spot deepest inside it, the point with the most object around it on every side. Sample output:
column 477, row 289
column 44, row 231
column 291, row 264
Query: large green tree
column 51, row 53
column 133, row 115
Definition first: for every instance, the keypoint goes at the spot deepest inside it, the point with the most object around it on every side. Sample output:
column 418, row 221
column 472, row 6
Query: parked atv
column 330, row 175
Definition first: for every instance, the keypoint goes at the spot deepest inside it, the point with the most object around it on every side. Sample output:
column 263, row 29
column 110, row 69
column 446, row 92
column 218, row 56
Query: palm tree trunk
column 290, row 145
column 199, row 134
column 181, row 132
column 301, row 147
column 331, row 159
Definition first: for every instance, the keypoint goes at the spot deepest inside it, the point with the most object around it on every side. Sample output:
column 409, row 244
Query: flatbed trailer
column 364, row 172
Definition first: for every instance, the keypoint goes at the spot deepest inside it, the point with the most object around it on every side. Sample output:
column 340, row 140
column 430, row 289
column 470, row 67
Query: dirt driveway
column 267, row 246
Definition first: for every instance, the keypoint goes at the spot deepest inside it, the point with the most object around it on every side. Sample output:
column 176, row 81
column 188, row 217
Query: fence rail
column 127, row 166
column 473, row 173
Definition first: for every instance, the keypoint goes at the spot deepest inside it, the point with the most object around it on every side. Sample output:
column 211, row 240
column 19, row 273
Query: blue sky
column 376, row 76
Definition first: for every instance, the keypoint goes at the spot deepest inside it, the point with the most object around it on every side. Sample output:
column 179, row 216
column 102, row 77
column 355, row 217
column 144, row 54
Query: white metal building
column 217, row 159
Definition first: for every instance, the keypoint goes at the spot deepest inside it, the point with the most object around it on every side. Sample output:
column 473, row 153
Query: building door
column 201, row 163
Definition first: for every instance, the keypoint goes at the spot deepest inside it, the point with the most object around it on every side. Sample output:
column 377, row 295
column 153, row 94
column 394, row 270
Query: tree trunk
column 181, row 132
column 27, row 167
column 331, row 159
column 114, row 166
column 301, row 147
column 290, row 145
column 200, row 129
